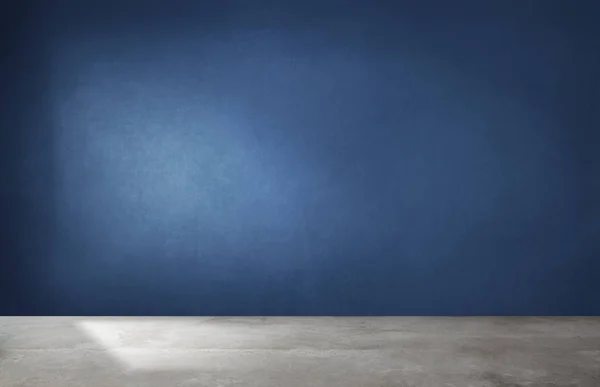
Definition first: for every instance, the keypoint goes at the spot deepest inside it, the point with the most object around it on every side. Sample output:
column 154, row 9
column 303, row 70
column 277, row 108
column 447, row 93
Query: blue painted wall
column 305, row 159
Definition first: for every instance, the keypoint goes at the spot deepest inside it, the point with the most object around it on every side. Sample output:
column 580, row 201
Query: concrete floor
column 288, row 352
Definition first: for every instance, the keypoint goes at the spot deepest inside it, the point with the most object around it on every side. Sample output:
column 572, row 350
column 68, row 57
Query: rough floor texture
column 288, row 352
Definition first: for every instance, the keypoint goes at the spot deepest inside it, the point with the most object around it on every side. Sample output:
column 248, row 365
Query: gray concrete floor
column 288, row 352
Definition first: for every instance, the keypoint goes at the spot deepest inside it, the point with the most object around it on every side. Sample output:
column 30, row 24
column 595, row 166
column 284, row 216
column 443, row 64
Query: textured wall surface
column 304, row 159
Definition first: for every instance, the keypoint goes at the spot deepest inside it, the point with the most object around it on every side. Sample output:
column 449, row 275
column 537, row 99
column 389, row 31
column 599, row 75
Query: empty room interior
column 300, row 193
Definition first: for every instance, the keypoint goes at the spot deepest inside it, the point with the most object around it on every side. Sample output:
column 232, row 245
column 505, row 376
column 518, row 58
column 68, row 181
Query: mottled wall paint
column 268, row 161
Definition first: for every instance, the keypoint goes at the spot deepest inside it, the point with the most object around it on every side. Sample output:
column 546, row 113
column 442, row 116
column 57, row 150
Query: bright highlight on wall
column 152, row 152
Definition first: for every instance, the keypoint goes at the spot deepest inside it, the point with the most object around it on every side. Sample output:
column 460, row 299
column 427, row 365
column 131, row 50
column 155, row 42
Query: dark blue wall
column 321, row 158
